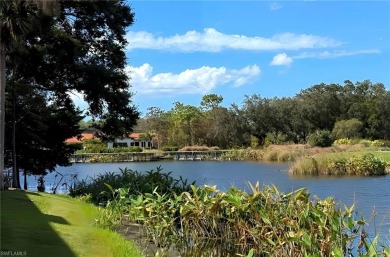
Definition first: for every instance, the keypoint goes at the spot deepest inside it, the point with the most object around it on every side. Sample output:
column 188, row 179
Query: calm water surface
column 370, row 194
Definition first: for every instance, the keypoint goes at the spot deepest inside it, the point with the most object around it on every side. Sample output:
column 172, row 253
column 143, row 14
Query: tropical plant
column 264, row 222
column 136, row 182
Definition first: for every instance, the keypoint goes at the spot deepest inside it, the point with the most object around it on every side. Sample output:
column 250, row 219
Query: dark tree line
column 350, row 110
column 77, row 47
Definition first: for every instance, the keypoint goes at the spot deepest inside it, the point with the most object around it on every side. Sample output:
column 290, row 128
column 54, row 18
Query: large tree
column 259, row 114
column 157, row 122
column 185, row 122
column 39, row 129
column 79, row 50
column 322, row 105
column 16, row 19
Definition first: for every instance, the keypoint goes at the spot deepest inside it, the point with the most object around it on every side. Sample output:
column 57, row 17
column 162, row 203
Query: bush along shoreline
column 203, row 221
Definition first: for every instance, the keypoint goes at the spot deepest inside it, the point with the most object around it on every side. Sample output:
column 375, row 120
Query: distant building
column 135, row 139
column 84, row 136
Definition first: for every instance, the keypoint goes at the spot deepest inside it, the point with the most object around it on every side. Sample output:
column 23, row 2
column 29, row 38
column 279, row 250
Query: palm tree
column 16, row 18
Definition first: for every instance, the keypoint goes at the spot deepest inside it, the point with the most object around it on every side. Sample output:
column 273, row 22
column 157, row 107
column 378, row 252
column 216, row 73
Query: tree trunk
column 2, row 112
column 25, row 181
column 15, row 168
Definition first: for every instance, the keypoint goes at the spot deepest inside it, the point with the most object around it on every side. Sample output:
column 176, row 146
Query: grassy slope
column 51, row 225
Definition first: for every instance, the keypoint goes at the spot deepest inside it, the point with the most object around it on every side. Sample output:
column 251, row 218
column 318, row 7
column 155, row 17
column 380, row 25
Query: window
column 120, row 145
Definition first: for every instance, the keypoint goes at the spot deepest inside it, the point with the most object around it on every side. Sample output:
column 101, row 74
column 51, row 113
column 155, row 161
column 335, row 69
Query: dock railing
column 143, row 157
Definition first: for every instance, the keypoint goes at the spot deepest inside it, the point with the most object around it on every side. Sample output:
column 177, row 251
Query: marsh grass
column 364, row 163
column 293, row 152
column 277, row 153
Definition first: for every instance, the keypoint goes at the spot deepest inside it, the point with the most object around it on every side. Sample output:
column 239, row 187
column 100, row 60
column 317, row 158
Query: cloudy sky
column 182, row 50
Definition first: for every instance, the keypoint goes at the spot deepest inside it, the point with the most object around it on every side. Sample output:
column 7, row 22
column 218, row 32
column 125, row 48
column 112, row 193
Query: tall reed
column 363, row 164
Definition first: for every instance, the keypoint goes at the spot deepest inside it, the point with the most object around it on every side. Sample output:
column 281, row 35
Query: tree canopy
column 80, row 49
column 350, row 110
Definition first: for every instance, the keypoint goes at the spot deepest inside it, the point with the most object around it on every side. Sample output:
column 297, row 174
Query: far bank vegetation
column 317, row 116
column 323, row 119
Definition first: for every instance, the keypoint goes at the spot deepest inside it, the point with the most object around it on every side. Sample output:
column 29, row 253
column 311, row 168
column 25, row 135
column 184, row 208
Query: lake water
column 370, row 194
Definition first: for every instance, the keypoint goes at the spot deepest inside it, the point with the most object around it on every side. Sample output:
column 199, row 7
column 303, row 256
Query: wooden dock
column 196, row 155
column 145, row 157
column 113, row 157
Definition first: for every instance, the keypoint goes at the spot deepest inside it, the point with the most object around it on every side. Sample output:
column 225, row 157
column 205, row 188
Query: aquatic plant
column 265, row 222
column 137, row 183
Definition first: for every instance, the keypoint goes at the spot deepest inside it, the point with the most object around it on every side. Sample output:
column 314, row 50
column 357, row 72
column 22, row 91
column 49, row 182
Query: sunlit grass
column 52, row 225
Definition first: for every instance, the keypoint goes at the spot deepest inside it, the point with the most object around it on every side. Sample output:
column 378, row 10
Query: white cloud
column 284, row 59
column 191, row 81
column 211, row 40
column 275, row 6
column 281, row 59
column 334, row 54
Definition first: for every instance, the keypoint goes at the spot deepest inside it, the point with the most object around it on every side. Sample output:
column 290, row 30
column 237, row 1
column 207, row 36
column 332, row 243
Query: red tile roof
column 83, row 137
column 135, row 135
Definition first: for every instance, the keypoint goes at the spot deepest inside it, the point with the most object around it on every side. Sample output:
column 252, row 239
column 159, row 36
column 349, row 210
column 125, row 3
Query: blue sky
column 182, row 50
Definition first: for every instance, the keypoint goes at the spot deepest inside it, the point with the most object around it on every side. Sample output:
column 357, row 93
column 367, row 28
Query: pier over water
column 145, row 157
column 196, row 155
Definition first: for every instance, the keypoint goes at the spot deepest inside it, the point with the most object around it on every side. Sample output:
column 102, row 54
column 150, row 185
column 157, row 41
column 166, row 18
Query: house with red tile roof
column 84, row 136
column 135, row 139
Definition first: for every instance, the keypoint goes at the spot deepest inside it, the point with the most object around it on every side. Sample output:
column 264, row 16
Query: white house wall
column 130, row 142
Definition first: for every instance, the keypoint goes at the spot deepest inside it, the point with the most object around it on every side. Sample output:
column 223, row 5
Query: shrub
column 255, row 143
column 386, row 143
column 195, row 148
column 377, row 143
column 101, row 158
column 347, row 129
column 337, row 167
column 320, row 138
column 130, row 149
column 365, row 142
column 365, row 165
column 343, row 141
column 170, row 148
column 93, row 146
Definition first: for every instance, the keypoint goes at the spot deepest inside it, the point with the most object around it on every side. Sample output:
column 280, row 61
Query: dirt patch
column 138, row 234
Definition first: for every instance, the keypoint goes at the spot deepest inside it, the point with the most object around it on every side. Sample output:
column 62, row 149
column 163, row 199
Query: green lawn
column 385, row 155
column 39, row 224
